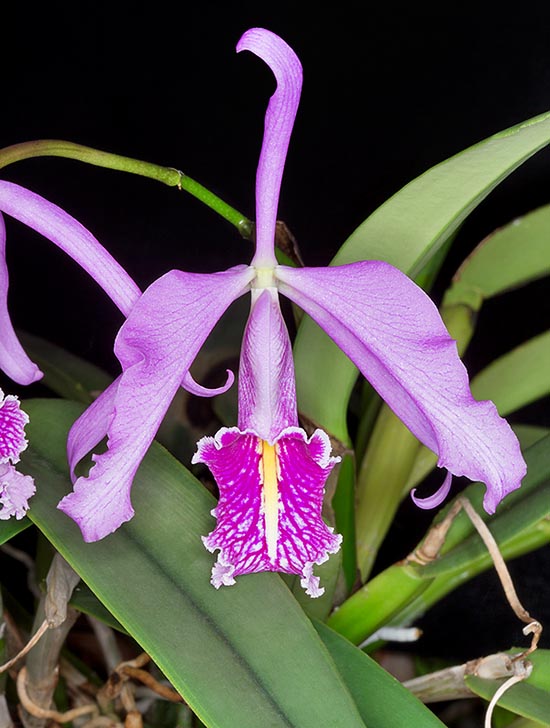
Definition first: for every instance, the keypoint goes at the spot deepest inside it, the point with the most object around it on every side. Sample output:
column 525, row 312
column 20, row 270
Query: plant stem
column 167, row 175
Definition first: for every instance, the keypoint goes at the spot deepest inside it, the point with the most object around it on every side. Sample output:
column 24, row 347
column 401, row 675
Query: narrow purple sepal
column 15, row 491
column 68, row 234
column 13, row 359
column 267, row 389
column 156, row 347
column 257, row 531
column 394, row 334
column 12, row 429
column 279, row 120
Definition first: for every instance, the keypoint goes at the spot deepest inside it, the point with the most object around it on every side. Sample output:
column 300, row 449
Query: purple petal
column 267, row 389
column 394, row 334
column 68, row 234
column 12, row 429
column 437, row 498
column 269, row 511
column 13, row 360
column 279, row 120
column 91, row 427
column 15, row 491
column 156, row 346
column 195, row 388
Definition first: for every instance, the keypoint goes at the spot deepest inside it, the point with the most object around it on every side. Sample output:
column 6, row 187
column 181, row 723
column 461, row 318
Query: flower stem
column 167, row 175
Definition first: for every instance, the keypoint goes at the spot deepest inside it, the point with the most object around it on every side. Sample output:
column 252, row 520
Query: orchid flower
column 270, row 475
column 15, row 488
column 74, row 239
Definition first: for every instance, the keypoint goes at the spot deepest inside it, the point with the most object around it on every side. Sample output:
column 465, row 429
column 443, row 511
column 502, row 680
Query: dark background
column 388, row 92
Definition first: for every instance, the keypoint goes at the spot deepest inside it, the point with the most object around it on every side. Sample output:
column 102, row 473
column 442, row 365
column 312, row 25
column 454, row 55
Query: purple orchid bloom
column 270, row 474
column 68, row 234
column 15, row 488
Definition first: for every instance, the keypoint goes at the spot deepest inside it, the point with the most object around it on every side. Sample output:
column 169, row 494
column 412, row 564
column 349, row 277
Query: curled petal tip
column 437, row 498
column 195, row 388
column 279, row 121
column 270, row 47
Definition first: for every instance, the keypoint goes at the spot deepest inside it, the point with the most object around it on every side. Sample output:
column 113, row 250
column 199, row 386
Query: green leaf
column 372, row 606
column 382, row 701
column 11, row 527
column 407, row 231
column 521, row 699
column 344, row 511
column 512, row 256
column 518, row 378
column 241, row 656
column 86, row 602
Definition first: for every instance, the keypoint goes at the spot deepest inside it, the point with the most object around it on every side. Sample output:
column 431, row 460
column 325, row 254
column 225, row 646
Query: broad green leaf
column 519, row 377
column 241, row 656
column 86, row 602
column 530, row 434
column 382, row 701
column 11, row 527
column 512, row 256
column 522, row 699
column 407, row 231
column 372, row 606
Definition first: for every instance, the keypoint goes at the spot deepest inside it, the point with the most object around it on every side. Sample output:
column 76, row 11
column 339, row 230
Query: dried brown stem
column 39, row 712
column 435, row 538
column 30, row 644
column 533, row 627
column 147, row 679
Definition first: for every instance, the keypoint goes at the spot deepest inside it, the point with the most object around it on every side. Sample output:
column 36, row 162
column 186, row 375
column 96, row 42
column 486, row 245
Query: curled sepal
column 194, row 387
column 15, row 491
column 269, row 511
column 432, row 501
column 12, row 429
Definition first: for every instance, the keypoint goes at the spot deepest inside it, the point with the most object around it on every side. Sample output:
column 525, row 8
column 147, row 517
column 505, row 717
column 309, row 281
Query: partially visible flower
column 15, row 488
column 271, row 476
column 68, row 234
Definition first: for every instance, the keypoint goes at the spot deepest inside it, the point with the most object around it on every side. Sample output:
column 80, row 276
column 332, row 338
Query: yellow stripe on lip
column 269, row 471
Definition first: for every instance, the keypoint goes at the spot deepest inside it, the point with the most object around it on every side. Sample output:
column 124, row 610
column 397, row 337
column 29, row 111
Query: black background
column 388, row 92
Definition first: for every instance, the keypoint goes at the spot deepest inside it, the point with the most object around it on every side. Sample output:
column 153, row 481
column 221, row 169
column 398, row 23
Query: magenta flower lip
column 271, row 476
